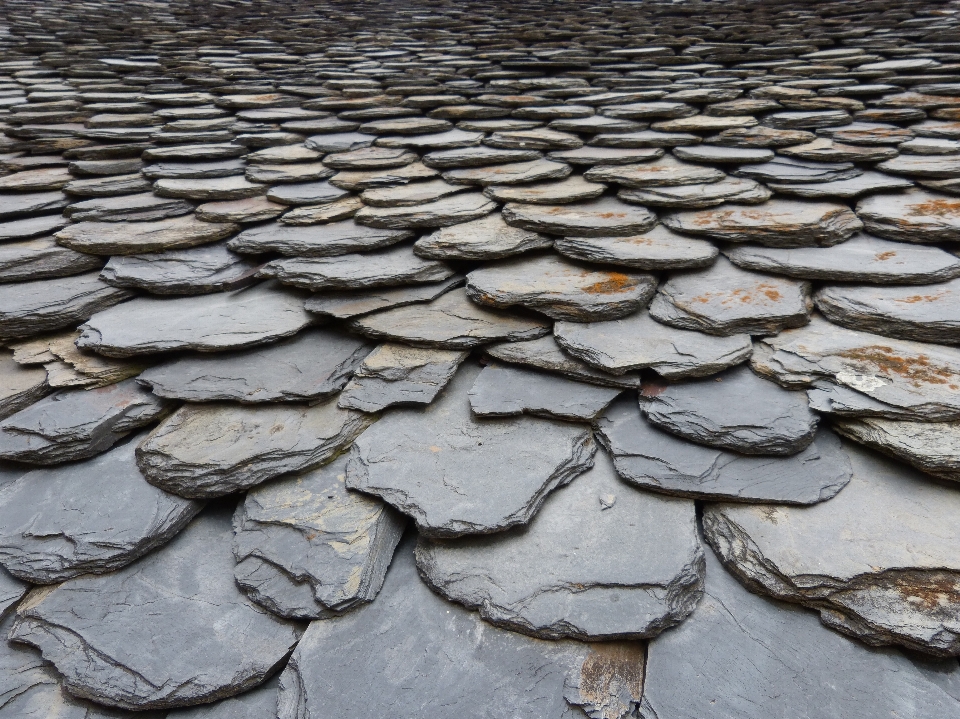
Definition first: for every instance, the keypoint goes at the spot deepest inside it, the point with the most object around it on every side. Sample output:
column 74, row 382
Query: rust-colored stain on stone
column 919, row 369
column 611, row 670
column 616, row 282
column 935, row 208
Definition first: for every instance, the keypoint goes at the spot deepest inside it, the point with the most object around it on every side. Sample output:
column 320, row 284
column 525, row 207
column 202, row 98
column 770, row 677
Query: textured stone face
column 694, row 196
column 913, row 216
column 545, row 353
column 42, row 258
column 890, row 578
column 488, row 238
column 209, row 450
column 442, row 467
column 637, row 568
column 560, row 289
column 307, row 548
column 604, row 217
column 459, row 208
column 19, row 386
column 115, row 238
column 94, row 516
column 347, row 304
column 328, row 240
column 206, row 639
column 658, row 249
column 313, row 365
column 928, row 446
column 653, row 459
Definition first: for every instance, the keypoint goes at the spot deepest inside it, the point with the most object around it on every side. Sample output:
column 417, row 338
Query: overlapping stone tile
column 657, row 249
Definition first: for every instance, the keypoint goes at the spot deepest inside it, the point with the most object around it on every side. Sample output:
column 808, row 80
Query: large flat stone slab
column 453, row 210
column 724, row 300
column 604, row 217
column 862, row 374
column 658, row 249
column 737, row 190
column 776, row 657
column 560, row 289
column 737, row 411
column 912, row 216
column 325, row 240
column 449, row 322
column 640, row 342
column 444, row 467
column 213, row 449
column 546, row 354
column 31, row 308
column 931, row 447
column 489, row 238
column 133, row 238
column 776, row 223
column 75, row 424
column 145, row 207
column 448, row 656
column 206, row 640
column 42, row 258
column 306, row 548
column 637, row 567
column 209, row 323
column 662, row 462
column 314, row 364
column 503, row 391
column 348, row 304
column 94, row 516
column 397, row 374
column 865, row 560
column 665, row 172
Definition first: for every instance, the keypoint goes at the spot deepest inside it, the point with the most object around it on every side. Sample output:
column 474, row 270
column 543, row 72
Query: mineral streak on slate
column 560, row 289
column 209, row 450
column 600, row 561
column 736, row 410
column 653, row 459
column 314, row 364
column 443, row 467
column 205, row 640
column 784, row 656
column 447, row 656
column 92, row 516
column 211, row 323
column 889, row 577
column 75, row 424
column 913, row 216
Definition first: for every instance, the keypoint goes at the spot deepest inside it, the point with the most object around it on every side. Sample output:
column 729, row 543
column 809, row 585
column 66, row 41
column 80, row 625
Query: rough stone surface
column 348, row 304
column 75, row 424
column 888, row 578
column 94, row 516
column 546, row 354
column 560, row 289
column 209, row 450
column 640, row 342
column 665, row 172
column 462, row 207
column 694, row 196
column 211, row 323
column 121, row 238
column 658, row 249
column 605, row 217
column 912, row 216
column 441, row 466
column 19, row 386
column 327, row 240
column 307, row 548
column 488, row 238
column 315, row 364
column 724, row 299
column 662, row 462
column 179, row 602
column 928, row 446
column 397, row 374
column 637, row 568
column 42, row 258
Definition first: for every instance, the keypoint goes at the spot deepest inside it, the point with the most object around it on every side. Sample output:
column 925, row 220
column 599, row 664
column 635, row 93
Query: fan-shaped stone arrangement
column 554, row 359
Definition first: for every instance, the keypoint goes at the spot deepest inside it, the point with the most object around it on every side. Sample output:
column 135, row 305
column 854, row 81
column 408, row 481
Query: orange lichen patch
column 611, row 215
column 708, row 219
column 935, row 208
column 883, row 256
column 917, row 369
column 928, row 591
column 637, row 240
column 616, row 282
column 913, row 299
column 609, row 669
column 742, row 295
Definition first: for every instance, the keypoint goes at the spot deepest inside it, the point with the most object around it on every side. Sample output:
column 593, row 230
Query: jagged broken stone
column 314, row 364
column 75, row 424
column 865, row 560
column 442, row 466
column 778, row 655
column 724, row 300
column 194, row 271
column 560, row 289
column 208, row 323
column 488, row 238
column 355, row 271
column 344, row 305
column 636, row 568
column 658, row 249
column 862, row 258
column 926, row 314
column 604, row 217
column 737, row 411
column 209, row 450
column 397, row 374
column 640, row 342
column 206, row 640
column 776, row 223
column 447, row 656
column 931, row 447
column 326, row 240
column 452, row 210
column 912, row 216
column 19, row 386
column 94, row 516
column 863, row 375
column 694, row 196
column 653, row 459
column 307, row 548
column 502, row 391
column 68, row 366
column 31, row 308
column 133, row 238
column 449, row 322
